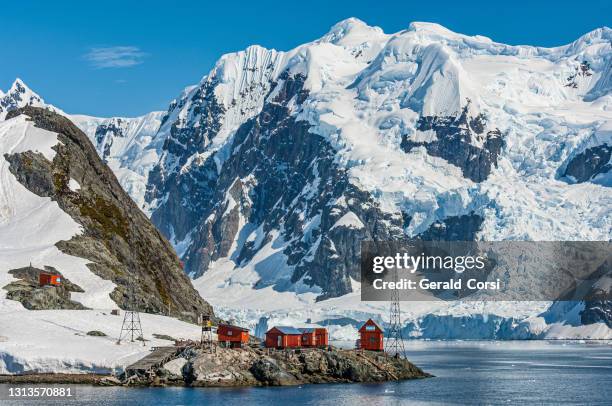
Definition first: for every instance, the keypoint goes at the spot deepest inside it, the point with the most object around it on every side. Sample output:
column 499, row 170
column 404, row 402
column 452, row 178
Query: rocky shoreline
column 250, row 367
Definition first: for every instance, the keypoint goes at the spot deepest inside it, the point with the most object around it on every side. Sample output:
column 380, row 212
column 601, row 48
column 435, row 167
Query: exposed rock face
column 110, row 131
column 463, row 141
column 32, row 296
column 588, row 164
column 258, row 367
column 597, row 312
column 174, row 370
column 598, row 309
column 193, row 127
column 279, row 185
column 457, row 228
column 117, row 237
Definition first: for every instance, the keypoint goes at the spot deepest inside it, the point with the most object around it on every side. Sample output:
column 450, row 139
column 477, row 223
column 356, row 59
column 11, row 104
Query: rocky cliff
column 117, row 238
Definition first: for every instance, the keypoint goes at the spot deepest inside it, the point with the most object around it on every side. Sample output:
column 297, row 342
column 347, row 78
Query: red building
column 49, row 279
column 232, row 336
column 314, row 337
column 371, row 337
column 283, row 337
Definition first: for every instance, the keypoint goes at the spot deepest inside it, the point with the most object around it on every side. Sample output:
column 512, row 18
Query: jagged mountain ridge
column 127, row 144
column 362, row 134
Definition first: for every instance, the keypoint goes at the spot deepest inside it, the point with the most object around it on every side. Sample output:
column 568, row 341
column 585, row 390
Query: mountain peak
column 352, row 31
column 18, row 86
column 19, row 95
column 599, row 39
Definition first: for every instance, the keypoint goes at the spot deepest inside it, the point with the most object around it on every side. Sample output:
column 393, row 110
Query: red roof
column 370, row 322
column 286, row 330
column 231, row 326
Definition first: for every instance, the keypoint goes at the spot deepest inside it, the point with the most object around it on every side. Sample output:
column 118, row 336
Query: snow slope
column 130, row 147
column 127, row 144
column 31, row 225
column 56, row 340
column 46, row 341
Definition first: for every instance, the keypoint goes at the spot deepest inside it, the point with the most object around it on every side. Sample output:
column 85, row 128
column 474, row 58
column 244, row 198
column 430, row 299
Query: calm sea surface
column 470, row 373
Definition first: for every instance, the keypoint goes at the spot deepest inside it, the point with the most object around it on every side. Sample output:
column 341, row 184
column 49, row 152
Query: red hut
column 371, row 337
column 314, row 337
column 283, row 337
column 232, row 336
column 45, row 279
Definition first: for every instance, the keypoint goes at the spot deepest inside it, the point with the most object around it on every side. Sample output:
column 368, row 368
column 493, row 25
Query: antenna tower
column 131, row 327
column 395, row 344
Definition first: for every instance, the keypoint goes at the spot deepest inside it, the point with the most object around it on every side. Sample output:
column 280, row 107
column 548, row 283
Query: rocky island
column 247, row 366
column 254, row 366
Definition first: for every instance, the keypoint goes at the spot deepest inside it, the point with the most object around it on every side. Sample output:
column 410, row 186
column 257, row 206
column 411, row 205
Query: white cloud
column 115, row 57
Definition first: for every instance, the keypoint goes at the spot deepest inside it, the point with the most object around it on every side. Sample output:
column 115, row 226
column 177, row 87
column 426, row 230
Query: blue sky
column 128, row 58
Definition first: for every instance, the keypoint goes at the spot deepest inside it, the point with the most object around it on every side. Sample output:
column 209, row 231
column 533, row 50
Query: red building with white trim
column 371, row 336
column 283, row 337
column 232, row 336
column 314, row 337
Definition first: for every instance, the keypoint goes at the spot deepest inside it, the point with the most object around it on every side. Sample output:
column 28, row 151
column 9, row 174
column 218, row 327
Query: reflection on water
column 469, row 373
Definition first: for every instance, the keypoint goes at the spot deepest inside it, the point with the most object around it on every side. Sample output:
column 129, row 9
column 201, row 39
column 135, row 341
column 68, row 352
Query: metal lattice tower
column 206, row 340
column 131, row 327
column 395, row 343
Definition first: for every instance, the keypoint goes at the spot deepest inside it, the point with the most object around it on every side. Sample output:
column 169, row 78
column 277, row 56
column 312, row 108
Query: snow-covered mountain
column 277, row 164
column 361, row 133
column 127, row 144
column 268, row 173
column 19, row 95
column 130, row 147
column 62, row 211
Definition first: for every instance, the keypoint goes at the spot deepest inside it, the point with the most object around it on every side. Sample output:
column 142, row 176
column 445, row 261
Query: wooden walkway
column 377, row 365
column 156, row 358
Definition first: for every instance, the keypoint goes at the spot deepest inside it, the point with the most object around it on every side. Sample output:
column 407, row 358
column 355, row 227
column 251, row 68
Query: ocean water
column 467, row 373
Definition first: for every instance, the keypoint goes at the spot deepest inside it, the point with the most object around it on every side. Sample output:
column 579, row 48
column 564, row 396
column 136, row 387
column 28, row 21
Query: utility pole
column 395, row 343
column 131, row 327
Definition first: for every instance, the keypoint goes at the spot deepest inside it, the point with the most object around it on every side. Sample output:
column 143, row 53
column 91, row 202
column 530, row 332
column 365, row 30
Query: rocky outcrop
column 260, row 367
column 462, row 140
column 32, row 296
column 278, row 185
column 599, row 311
column 121, row 243
column 105, row 135
column 589, row 163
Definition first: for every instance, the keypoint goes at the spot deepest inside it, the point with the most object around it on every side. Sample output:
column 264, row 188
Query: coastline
column 247, row 367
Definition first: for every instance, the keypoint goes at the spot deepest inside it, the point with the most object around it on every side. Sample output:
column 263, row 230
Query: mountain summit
column 277, row 164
